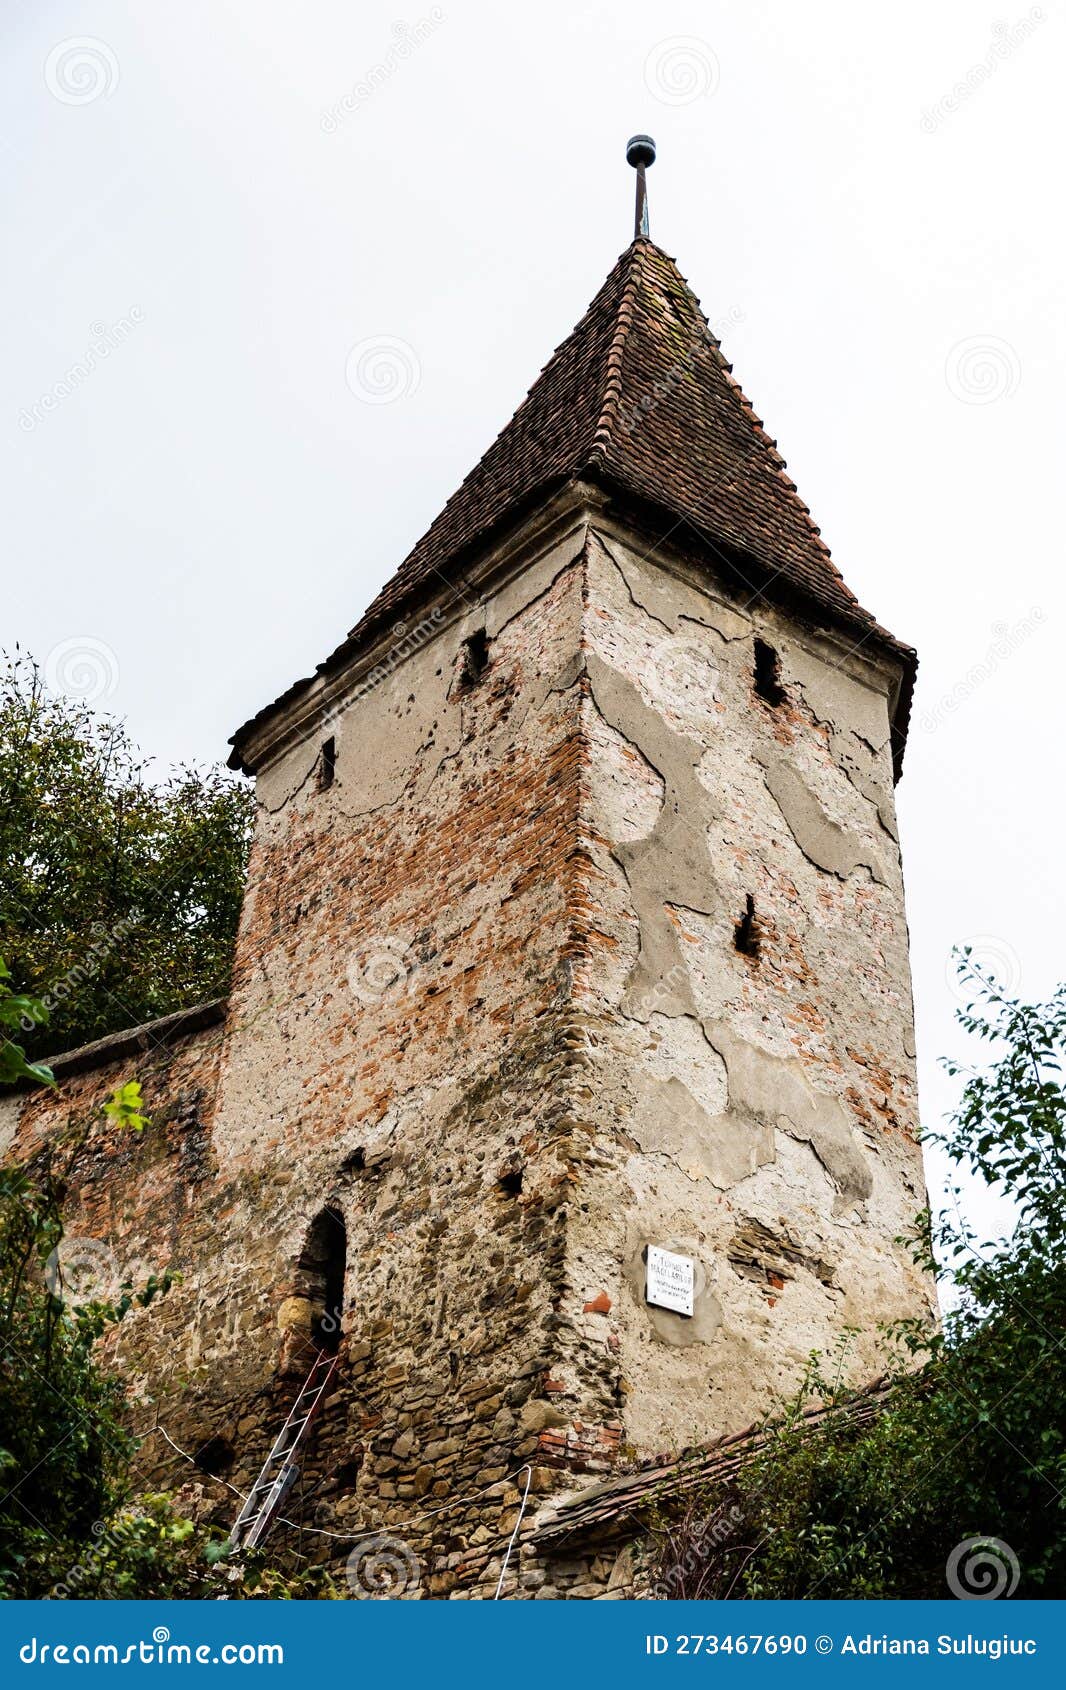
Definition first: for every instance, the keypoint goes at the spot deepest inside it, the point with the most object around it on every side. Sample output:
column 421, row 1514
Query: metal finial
column 640, row 152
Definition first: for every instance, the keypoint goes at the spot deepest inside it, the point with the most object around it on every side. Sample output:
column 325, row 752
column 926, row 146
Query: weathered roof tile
column 640, row 399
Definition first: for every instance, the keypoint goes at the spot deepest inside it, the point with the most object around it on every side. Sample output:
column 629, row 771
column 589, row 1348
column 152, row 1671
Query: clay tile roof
column 603, row 1508
column 640, row 400
column 127, row 1041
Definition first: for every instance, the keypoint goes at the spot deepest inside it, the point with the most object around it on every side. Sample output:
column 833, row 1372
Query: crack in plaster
column 672, row 863
column 776, row 1090
column 659, row 601
column 823, row 842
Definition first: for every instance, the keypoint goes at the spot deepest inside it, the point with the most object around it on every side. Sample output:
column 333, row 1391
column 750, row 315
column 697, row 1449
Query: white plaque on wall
column 671, row 1280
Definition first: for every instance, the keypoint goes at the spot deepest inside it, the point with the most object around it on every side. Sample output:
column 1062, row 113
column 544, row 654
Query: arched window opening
column 320, row 1277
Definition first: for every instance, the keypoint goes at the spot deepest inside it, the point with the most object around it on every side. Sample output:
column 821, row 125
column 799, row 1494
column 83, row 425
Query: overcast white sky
column 225, row 199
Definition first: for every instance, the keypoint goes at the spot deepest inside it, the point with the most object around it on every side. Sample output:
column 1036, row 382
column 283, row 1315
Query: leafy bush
column 65, row 1450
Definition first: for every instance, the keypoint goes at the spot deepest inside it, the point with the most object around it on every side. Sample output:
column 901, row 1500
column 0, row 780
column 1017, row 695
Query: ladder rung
column 269, row 1489
column 295, row 1425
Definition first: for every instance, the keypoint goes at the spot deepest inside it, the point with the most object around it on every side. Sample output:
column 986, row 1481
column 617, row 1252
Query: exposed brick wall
column 429, row 1108
column 145, row 1202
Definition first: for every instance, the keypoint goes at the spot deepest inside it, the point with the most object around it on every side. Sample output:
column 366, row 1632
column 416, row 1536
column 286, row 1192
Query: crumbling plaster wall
column 754, row 1111
column 487, row 1004
column 398, row 1047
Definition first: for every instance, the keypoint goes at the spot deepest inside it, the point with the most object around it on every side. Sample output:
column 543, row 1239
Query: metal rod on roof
column 640, row 152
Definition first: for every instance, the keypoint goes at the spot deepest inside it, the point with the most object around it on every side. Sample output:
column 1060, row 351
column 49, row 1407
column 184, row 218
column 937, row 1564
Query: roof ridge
column 640, row 399
column 736, row 391
column 612, row 391
column 773, row 452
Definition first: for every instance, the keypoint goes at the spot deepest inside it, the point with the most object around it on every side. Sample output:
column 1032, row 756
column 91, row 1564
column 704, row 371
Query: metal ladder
column 279, row 1470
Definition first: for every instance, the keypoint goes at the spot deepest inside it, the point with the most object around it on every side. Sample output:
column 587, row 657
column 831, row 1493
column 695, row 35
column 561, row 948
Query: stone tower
column 574, row 934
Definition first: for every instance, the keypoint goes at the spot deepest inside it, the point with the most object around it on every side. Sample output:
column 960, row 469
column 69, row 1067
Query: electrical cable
column 514, row 1534
column 357, row 1537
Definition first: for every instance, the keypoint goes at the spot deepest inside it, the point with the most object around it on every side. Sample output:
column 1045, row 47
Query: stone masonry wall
column 402, row 988
column 490, row 1034
column 138, row 1204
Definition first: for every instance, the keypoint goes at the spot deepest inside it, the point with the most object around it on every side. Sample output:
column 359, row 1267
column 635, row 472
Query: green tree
column 970, row 1444
column 63, row 1442
column 18, row 1011
column 119, row 895
column 64, row 1450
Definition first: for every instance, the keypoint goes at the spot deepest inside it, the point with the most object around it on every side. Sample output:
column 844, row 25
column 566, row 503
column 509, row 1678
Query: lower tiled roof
column 603, row 1508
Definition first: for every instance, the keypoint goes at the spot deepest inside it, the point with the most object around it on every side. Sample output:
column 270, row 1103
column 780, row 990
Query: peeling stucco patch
column 837, row 698
column 669, row 599
column 723, row 1148
column 677, row 1045
column 856, row 715
column 825, row 844
column 671, row 864
column 770, row 1257
column 776, row 1089
column 868, row 786
column 622, row 782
